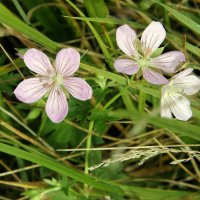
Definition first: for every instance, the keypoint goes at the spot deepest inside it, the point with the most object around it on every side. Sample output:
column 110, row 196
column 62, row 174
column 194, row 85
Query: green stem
column 120, row 79
column 97, row 36
column 21, row 11
column 26, row 127
column 115, row 98
column 17, row 68
column 142, row 99
column 108, row 37
column 88, row 145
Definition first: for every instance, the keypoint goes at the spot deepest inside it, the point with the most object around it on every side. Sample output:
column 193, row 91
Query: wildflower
column 55, row 80
column 140, row 54
column 173, row 100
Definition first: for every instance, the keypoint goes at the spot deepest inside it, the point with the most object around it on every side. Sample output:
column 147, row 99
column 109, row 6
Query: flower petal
column 126, row 66
column 67, row 61
column 152, row 37
column 125, row 37
column 164, row 108
column 32, row 89
column 182, row 74
column 56, row 106
column 78, row 88
column 168, row 62
column 154, row 77
column 188, row 85
column 38, row 62
column 179, row 106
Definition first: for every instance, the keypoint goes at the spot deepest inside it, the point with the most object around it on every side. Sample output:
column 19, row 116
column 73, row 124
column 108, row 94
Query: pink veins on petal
column 54, row 81
column 151, row 67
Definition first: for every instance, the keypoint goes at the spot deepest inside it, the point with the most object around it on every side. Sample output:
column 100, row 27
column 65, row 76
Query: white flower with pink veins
column 57, row 81
column 173, row 100
column 139, row 54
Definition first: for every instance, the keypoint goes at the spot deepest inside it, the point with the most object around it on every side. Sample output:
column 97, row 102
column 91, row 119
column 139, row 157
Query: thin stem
column 12, row 61
column 128, row 102
column 129, row 148
column 114, row 98
column 96, row 34
column 27, row 128
column 88, row 146
column 107, row 36
column 142, row 99
column 21, row 11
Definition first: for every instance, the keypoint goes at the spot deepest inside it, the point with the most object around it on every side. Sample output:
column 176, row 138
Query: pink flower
column 173, row 100
column 55, row 80
column 139, row 53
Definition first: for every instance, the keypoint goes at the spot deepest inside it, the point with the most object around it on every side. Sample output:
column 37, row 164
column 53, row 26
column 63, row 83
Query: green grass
column 123, row 112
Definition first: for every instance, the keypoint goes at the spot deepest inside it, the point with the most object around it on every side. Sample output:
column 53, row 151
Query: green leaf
column 79, row 110
column 120, row 79
column 33, row 114
column 159, row 194
column 9, row 19
column 97, row 8
column 96, row 34
column 10, row 67
column 192, row 25
column 7, row 81
column 2, row 57
column 143, row 193
column 109, row 20
column 59, row 139
column 179, row 127
column 58, row 195
column 190, row 47
column 100, row 117
column 33, row 194
column 113, row 171
column 60, row 168
column 157, row 52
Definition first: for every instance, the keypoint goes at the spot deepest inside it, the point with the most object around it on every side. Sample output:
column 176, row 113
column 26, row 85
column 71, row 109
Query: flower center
column 170, row 89
column 143, row 63
column 58, row 79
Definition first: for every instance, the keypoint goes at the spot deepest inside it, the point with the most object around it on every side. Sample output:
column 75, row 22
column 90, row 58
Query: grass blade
column 54, row 165
column 9, row 19
column 110, row 20
column 192, row 25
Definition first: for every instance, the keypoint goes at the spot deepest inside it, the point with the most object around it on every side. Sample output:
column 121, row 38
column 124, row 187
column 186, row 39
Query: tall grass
column 98, row 151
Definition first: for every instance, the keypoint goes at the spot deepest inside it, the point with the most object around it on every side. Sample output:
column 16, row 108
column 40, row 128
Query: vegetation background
column 122, row 114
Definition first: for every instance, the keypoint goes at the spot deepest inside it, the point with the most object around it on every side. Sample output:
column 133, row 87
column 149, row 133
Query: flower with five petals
column 55, row 80
column 140, row 54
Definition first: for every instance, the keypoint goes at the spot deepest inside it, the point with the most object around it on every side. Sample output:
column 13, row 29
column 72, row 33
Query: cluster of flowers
column 57, row 80
column 140, row 58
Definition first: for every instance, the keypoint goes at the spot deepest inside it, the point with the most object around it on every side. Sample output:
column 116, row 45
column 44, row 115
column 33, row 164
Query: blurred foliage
column 120, row 114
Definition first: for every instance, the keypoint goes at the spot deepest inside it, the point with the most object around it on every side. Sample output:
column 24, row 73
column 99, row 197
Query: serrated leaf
column 79, row 110
column 64, row 135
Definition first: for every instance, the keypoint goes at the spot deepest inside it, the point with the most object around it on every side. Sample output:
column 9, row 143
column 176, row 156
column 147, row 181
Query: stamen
column 143, row 63
column 57, row 79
